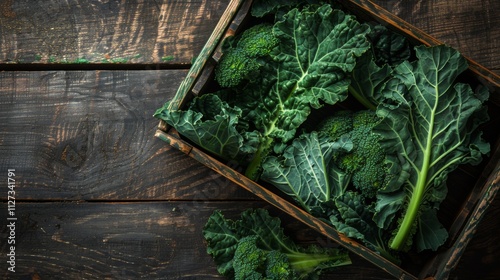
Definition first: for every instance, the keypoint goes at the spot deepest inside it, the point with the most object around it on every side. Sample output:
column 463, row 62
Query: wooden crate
column 464, row 209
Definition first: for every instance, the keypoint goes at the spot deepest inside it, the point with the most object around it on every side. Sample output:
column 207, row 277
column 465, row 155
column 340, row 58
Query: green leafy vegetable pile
column 255, row 247
column 310, row 66
column 377, row 174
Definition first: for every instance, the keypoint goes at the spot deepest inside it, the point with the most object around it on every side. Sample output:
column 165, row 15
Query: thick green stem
column 254, row 168
column 306, row 263
column 399, row 240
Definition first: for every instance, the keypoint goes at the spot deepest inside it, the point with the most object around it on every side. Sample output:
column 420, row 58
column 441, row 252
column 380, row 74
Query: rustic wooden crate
column 463, row 210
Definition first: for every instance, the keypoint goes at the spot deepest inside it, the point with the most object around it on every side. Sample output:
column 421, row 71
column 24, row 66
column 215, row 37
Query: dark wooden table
column 97, row 195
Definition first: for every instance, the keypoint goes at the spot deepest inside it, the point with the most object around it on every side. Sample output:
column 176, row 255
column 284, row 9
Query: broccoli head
column 252, row 263
column 258, row 40
column 249, row 260
column 278, row 266
column 336, row 125
column 234, row 67
column 366, row 160
column 241, row 55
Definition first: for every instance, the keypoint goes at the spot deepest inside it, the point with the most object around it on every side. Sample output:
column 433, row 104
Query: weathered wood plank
column 483, row 249
column 470, row 26
column 161, row 240
column 89, row 135
column 481, row 259
column 113, row 31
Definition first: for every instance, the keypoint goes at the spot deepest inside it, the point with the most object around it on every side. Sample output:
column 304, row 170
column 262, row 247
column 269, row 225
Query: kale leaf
column 306, row 171
column 429, row 127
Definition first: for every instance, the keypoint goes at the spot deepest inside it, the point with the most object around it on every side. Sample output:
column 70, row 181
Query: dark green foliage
column 255, row 247
column 389, row 47
column 261, row 8
column 430, row 126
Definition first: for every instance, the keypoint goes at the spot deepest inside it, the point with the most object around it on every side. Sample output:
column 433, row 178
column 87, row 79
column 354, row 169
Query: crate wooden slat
column 448, row 260
column 464, row 222
column 206, row 53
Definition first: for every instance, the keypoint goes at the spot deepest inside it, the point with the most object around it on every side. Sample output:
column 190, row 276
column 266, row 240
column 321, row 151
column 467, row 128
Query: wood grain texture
column 456, row 23
column 112, row 31
column 89, row 135
column 487, row 198
column 481, row 259
column 160, row 240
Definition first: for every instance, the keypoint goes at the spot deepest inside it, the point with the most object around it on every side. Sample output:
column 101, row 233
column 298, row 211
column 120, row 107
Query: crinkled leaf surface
column 318, row 47
column 432, row 129
column 353, row 217
column 223, row 234
column 367, row 80
column 389, row 47
column 213, row 125
column 271, row 237
column 222, row 241
column 306, row 171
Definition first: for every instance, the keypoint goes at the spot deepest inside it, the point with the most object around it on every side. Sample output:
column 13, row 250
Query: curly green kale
column 310, row 67
column 241, row 55
column 255, row 247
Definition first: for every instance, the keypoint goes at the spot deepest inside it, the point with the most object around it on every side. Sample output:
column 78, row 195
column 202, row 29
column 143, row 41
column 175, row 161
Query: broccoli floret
column 366, row 118
column 278, row 266
column 241, row 55
column 366, row 160
column 234, row 67
column 336, row 125
column 249, row 260
column 258, row 40
column 253, row 263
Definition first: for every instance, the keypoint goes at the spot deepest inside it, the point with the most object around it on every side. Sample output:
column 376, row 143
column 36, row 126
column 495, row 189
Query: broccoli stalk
column 306, row 263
